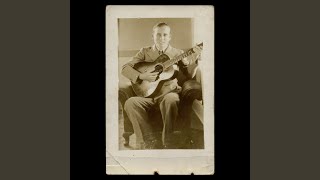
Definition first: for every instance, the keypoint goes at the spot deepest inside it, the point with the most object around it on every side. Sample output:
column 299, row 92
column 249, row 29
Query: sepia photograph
column 159, row 89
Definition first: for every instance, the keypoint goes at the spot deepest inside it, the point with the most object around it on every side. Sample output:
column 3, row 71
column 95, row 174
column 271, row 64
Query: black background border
column 35, row 89
column 232, row 62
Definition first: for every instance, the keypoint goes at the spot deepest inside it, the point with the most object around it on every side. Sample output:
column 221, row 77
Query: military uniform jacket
column 150, row 54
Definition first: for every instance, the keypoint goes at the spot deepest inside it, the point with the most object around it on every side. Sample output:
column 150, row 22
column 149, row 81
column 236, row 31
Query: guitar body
column 150, row 89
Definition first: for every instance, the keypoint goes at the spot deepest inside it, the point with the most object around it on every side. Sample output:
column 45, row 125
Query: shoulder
column 176, row 50
column 146, row 48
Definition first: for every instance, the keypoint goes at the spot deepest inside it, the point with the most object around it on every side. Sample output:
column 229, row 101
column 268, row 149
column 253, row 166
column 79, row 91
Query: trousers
column 137, row 110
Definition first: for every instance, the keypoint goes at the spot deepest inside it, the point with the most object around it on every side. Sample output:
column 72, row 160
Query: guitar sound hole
column 158, row 68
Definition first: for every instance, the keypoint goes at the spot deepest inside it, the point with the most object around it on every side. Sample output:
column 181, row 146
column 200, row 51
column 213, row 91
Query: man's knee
column 132, row 103
column 171, row 99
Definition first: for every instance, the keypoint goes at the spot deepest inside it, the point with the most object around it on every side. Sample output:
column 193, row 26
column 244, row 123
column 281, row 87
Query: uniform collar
column 154, row 48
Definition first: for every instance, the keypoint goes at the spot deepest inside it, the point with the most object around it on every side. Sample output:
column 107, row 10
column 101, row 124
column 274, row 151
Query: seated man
column 168, row 97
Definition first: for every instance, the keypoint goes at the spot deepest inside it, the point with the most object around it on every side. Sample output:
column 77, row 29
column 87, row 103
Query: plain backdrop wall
column 137, row 33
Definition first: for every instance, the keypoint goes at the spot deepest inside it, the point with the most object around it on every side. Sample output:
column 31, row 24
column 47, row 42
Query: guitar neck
column 180, row 57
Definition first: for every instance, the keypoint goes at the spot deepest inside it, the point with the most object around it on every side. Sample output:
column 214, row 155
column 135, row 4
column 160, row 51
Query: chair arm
column 191, row 90
column 125, row 92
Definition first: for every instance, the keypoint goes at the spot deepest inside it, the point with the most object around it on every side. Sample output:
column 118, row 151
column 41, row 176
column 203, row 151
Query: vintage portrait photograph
column 159, row 87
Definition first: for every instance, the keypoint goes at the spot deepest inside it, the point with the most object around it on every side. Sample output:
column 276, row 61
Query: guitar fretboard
column 180, row 57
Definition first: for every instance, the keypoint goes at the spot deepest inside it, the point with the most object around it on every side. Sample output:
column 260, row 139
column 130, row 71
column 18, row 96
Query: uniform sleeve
column 128, row 71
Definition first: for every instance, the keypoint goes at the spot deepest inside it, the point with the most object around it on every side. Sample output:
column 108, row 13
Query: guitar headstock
column 200, row 45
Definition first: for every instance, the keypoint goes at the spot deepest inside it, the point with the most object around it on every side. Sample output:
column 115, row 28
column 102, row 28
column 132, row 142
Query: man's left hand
column 197, row 51
column 185, row 61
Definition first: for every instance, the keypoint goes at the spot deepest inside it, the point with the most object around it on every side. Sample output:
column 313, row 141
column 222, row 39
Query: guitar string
column 178, row 58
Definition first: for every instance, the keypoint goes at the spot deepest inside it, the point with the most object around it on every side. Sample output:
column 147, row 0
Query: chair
column 190, row 111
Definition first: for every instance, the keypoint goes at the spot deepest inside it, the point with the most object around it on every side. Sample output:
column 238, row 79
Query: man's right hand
column 148, row 76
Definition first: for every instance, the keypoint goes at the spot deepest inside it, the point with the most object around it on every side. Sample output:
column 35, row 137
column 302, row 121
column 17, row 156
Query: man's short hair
column 160, row 24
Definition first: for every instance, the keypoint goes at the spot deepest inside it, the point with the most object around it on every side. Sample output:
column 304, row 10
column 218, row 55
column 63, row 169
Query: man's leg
column 169, row 111
column 137, row 111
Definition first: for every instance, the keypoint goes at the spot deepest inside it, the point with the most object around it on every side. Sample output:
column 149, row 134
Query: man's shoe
column 126, row 137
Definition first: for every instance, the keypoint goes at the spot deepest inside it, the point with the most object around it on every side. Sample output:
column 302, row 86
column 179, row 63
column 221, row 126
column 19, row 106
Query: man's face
column 162, row 36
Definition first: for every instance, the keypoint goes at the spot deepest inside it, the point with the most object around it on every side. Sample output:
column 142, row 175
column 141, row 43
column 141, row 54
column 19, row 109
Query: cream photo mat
column 198, row 161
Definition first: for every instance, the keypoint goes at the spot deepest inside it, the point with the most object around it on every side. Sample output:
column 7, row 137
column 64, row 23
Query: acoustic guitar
column 162, row 65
